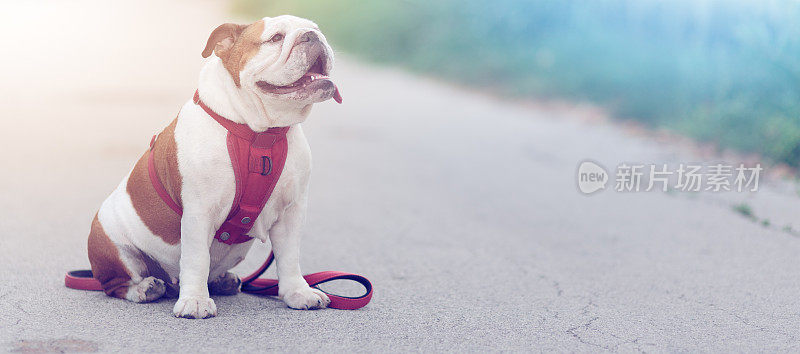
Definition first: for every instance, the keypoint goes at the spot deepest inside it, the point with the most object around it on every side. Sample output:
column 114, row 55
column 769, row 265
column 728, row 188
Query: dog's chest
column 208, row 176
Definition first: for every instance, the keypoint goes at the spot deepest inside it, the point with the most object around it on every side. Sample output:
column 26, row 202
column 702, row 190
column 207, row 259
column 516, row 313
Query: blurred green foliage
column 725, row 71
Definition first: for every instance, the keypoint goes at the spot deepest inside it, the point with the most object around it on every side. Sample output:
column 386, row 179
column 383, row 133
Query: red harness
column 257, row 160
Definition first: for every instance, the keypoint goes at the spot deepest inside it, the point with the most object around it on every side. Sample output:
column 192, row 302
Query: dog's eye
column 276, row 38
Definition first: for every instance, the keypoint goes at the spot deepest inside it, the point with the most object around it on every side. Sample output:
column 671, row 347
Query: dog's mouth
column 315, row 77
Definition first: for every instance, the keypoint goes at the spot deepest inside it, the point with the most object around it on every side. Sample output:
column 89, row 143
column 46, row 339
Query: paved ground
column 462, row 209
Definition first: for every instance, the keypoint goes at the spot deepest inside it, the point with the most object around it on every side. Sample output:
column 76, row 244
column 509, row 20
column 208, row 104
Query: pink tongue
column 336, row 95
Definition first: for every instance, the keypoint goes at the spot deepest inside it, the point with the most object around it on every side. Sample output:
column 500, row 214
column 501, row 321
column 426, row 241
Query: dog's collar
column 266, row 138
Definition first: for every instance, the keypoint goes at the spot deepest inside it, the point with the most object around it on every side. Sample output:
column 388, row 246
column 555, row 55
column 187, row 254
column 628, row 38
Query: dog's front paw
column 195, row 307
column 306, row 298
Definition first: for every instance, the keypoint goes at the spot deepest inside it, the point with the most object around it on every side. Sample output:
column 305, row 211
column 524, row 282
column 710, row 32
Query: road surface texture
column 461, row 208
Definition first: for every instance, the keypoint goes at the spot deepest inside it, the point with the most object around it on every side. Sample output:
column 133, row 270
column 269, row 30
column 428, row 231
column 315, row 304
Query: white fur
column 208, row 181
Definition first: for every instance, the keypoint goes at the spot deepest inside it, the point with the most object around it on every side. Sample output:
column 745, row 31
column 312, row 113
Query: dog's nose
column 309, row 36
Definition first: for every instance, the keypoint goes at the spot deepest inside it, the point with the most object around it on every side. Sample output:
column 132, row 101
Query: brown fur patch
column 107, row 267
column 236, row 45
column 154, row 212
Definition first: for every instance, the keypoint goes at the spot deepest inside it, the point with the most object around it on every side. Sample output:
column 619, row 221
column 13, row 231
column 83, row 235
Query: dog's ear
column 222, row 39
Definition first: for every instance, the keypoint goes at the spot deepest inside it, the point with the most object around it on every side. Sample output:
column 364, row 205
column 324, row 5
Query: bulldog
column 266, row 74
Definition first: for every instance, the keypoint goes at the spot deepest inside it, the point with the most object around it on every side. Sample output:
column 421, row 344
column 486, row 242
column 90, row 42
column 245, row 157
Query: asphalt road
column 461, row 208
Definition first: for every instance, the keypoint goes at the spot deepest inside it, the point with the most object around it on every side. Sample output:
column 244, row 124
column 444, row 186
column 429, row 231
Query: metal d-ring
column 264, row 170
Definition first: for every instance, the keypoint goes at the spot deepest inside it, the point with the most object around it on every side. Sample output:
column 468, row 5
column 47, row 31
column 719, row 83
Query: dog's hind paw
column 226, row 284
column 147, row 290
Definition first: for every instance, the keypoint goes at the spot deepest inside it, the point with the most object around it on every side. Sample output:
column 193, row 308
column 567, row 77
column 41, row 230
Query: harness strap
column 162, row 192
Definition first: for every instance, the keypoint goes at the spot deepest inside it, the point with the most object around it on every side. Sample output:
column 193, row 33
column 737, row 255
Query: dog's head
column 284, row 60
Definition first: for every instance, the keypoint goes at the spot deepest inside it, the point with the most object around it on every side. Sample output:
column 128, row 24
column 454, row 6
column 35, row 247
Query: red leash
column 257, row 160
column 252, row 284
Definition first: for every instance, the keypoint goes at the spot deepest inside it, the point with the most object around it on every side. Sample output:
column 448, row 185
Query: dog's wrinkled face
column 283, row 59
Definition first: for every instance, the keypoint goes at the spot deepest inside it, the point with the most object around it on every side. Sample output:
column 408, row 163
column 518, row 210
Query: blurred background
column 721, row 71
column 447, row 177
